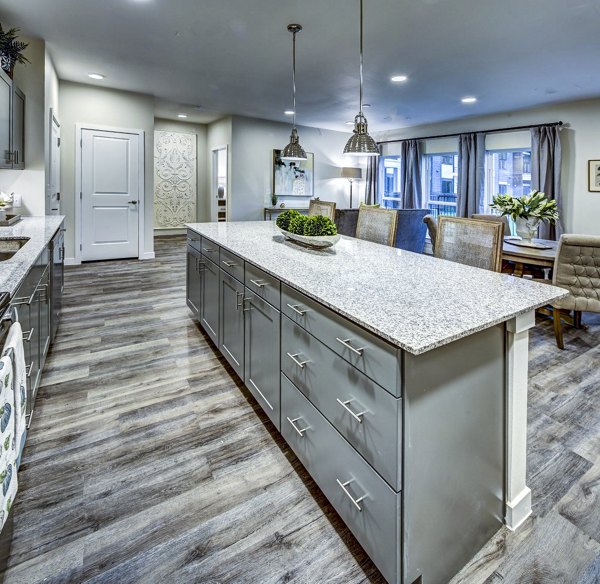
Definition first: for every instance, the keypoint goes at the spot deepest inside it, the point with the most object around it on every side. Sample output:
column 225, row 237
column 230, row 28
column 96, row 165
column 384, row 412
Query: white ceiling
column 234, row 56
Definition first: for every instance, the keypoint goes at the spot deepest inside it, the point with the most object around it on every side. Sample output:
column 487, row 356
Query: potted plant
column 11, row 50
column 274, row 198
column 527, row 212
column 315, row 231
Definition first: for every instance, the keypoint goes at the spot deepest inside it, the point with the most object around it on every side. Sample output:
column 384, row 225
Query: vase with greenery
column 527, row 212
column 11, row 50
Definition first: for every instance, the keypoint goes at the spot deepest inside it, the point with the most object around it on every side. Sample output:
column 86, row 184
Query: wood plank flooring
column 147, row 461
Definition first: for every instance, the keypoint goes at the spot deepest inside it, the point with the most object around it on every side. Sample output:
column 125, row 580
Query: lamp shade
column 351, row 172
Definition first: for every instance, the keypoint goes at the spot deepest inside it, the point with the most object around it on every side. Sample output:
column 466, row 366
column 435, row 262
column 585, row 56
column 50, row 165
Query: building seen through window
column 441, row 188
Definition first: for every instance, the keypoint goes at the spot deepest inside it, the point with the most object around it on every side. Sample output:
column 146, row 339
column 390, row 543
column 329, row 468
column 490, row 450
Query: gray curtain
column 471, row 174
column 371, row 180
column 410, row 174
column 545, row 172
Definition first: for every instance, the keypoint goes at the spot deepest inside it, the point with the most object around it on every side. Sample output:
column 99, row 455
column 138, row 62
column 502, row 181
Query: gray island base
column 399, row 381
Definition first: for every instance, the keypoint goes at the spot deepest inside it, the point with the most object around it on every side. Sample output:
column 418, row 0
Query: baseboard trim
column 518, row 510
column 72, row 262
column 148, row 255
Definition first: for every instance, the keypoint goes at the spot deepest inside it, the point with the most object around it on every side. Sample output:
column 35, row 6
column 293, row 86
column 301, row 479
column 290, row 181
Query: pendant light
column 293, row 152
column 360, row 143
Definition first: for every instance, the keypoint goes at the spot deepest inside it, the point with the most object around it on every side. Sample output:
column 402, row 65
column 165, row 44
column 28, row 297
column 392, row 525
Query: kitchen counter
column 415, row 302
column 40, row 231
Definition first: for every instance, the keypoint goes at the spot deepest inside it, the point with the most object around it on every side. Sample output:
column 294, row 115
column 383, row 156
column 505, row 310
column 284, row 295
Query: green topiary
column 283, row 221
column 297, row 224
column 319, row 225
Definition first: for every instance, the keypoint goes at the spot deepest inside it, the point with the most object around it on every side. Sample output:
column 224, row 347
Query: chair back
column 325, row 208
column 489, row 217
column 470, row 242
column 377, row 225
column 346, row 220
column 432, row 226
column 410, row 230
column 577, row 268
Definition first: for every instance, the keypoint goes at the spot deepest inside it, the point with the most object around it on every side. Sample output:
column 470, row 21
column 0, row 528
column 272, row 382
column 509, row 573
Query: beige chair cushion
column 377, row 225
column 577, row 268
column 325, row 208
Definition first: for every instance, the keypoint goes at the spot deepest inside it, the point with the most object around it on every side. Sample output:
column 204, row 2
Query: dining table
column 542, row 254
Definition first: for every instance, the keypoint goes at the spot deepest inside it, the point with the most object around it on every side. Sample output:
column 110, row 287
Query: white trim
column 79, row 127
column 72, row 262
column 148, row 255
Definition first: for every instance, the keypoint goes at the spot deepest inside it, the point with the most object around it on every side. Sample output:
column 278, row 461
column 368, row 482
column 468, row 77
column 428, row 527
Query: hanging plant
column 11, row 50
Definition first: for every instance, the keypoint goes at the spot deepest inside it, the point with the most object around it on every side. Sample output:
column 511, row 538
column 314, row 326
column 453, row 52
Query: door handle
column 132, row 202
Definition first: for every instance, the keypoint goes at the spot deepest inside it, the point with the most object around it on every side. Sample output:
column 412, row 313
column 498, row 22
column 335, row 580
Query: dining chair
column 470, row 242
column 377, row 225
column 432, row 226
column 490, row 217
column 577, row 269
column 319, row 207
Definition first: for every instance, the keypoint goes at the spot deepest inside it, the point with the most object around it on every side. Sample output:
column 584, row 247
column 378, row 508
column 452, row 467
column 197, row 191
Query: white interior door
column 54, row 179
column 110, row 193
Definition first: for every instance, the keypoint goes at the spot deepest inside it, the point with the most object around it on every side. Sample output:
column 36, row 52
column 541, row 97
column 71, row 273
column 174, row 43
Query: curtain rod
column 497, row 130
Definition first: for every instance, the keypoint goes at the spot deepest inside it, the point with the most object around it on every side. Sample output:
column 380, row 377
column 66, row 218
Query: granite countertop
column 414, row 301
column 40, row 231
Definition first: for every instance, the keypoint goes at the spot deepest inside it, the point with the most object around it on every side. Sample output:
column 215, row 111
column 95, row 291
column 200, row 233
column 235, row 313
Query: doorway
column 111, row 193
column 53, row 187
column 219, row 183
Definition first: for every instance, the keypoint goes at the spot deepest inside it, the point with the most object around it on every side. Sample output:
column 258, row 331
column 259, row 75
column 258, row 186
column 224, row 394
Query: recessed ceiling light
column 469, row 100
column 96, row 76
column 349, row 123
column 182, row 115
column 366, row 105
column 289, row 112
column 398, row 78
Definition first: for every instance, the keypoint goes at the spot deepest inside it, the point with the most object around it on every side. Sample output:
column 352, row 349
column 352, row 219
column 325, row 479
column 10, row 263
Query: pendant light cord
column 361, row 61
column 294, row 78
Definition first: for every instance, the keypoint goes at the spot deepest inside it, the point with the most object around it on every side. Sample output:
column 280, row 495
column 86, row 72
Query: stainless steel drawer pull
column 229, row 264
column 300, row 364
column 209, row 249
column 239, row 299
column 354, row 501
column 356, row 416
column 201, row 266
column 249, row 306
column 346, row 343
column 259, row 283
column 27, row 336
column 294, row 307
column 299, row 430
column 29, row 369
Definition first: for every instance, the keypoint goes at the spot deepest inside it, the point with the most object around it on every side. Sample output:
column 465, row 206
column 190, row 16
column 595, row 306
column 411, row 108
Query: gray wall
column 111, row 108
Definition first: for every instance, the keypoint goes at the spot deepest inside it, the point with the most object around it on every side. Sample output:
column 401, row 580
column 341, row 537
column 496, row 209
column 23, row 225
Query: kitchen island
column 399, row 380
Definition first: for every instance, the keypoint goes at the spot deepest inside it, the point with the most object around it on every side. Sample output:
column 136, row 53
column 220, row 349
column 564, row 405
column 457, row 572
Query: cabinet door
column 232, row 322
column 209, row 313
column 44, row 298
column 18, row 129
column 262, row 324
column 57, row 280
column 5, row 120
column 194, row 280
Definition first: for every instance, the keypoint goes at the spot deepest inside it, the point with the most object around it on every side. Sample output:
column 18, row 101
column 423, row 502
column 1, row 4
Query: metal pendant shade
column 361, row 143
column 293, row 152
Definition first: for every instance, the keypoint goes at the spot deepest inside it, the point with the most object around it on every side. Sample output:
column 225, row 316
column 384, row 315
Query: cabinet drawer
column 263, row 285
column 362, row 498
column 194, row 240
column 373, row 356
column 210, row 250
column 232, row 264
column 366, row 415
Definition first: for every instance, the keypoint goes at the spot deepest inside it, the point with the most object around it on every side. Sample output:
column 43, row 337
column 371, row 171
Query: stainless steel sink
column 10, row 246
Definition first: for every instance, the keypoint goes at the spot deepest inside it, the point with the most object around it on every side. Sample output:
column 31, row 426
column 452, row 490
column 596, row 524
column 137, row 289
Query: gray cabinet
column 195, row 265
column 57, row 280
column 262, row 362
column 209, row 301
column 232, row 322
column 12, row 124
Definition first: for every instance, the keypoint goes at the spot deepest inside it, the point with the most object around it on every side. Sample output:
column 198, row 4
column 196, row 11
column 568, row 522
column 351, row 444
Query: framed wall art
column 594, row 176
column 293, row 179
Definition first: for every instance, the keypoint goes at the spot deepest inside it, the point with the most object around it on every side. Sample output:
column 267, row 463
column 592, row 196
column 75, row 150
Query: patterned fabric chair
column 489, row 217
column 377, row 225
column 432, row 226
column 577, row 269
column 322, row 208
column 470, row 242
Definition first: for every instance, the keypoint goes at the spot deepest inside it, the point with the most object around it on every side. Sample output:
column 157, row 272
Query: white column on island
column 518, row 494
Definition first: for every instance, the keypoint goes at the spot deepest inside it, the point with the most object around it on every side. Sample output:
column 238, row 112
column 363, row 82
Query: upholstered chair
column 470, row 242
column 326, row 208
column 489, row 217
column 432, row 225
column 577, row 269
column 377, row 225
column 410, row 230
column 346, row 220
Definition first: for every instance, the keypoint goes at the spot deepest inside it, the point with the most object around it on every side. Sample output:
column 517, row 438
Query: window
column 441, row 183
column 507, row 172
column 390, row 195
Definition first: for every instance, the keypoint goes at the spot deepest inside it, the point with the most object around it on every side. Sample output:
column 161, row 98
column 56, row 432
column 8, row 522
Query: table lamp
column 351, row 174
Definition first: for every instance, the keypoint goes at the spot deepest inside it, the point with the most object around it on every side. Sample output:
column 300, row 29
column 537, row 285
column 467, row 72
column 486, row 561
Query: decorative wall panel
column 175, row 188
